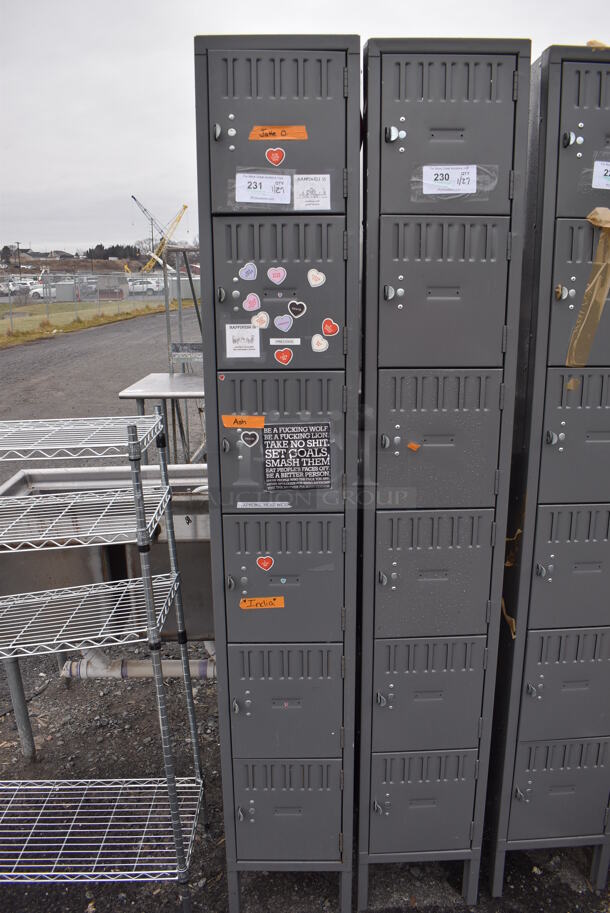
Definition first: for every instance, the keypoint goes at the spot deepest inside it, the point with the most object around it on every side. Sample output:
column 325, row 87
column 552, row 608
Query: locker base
column 599, row 865
column 233, row 888
column 470, row 876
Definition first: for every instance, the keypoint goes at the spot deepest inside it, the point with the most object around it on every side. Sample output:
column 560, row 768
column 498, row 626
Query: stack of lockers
column 553, row 710
column 278, row 161
column 445, row 161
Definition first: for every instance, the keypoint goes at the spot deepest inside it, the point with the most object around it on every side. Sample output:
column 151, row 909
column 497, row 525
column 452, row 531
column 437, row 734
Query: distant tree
column 123, row 251
column 5, row 254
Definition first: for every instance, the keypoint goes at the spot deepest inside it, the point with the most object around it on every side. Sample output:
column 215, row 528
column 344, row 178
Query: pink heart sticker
column 277, row 274
column 251, row 302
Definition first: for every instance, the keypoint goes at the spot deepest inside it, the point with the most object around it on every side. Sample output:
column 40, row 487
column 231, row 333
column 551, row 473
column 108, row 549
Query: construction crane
column 165, row 233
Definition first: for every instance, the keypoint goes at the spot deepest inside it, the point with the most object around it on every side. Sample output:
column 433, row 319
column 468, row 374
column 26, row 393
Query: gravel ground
column 109, row 729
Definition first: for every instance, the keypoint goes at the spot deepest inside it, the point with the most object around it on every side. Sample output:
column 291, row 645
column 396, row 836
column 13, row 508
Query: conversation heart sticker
column 297, row 308
column 318, row 343
column 283, row 322
column 251, row 302
column 276, row 274
column 284, row 356
column 250, row 438
column 275, row 156
column 316, row 278
column 265, row 562
column 260, row 320
column 248, row 271
column 329, row 327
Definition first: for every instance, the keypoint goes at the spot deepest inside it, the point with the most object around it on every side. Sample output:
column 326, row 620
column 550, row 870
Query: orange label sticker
column 413, row 445
column 288, row 132
column 243, row 421
column 262, row 602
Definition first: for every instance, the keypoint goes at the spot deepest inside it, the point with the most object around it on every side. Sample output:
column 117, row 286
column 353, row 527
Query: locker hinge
column 485, row 657
column 345, row 181
column 509, row 245
column 343, row 487
column 344, row 399
column 345, row 245
column 345, row 82
column 497, row 482
column 493, row 533
column 515, row 85
column 511, row 185
column 343, row 667
column 480, row 727
column 488, row 610
column 341, row 780
column 342, row 737
column 502, row 395
column 504, row 338
column 341, row 845
column 343, row 618
column 344, row 343
column 344, row 539
column 471, row 831
column 476, row 769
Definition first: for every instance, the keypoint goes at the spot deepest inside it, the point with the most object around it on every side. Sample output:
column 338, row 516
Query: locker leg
column 470, row 880
column 363, row 886
column 233, row 890
column 345, row 891
column 497, row 873
column 599, row 866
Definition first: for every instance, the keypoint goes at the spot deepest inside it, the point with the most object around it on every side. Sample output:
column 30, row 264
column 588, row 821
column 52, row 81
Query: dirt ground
column 109, row 728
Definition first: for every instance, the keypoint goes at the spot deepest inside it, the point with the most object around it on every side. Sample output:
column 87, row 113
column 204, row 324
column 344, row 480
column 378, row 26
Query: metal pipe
column 192, row 284
column 92, row 666
column 22, row 719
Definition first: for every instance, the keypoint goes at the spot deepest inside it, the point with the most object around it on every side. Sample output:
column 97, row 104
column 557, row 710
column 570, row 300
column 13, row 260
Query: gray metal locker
column 283, row 280
column 432, row 572
column 551, row 783
column 278, row 145
column 433, row 311
column 284, row 577
column 445, row 157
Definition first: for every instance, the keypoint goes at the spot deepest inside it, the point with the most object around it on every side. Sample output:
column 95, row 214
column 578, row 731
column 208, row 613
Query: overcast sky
column 97, row 99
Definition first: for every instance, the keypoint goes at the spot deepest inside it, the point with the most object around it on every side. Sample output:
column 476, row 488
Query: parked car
column 143, row 287
column 42, row 291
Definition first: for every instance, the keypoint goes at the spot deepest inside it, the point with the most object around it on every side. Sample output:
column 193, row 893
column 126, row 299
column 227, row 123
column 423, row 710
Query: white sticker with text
column 601, row 176
column 262, row 188
column 243, row 341
column 285, row 341
column 312, row 191
column 449, row 179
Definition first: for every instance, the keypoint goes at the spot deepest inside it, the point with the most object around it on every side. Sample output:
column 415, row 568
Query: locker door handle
column 235, row 705
column 519, row 794
column 531, row 690
column 561, row 292
column 388, row 292
column 240, row 814
column 381, row 699
column 568, row 139
column 543, row 570
column 216, row 132
column 383, row 578
column 391, row 134
column 230, row 582
column 384, row 440
column 225, row 445
column 377, row 807
column 551, row 438
column 220, row 293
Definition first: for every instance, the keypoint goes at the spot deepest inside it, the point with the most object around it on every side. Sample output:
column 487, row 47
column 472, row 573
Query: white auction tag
column 449, row 179
column 262, row 188
column 243, row 341
column 601, row 176
column 312, row 191
column 256, row 505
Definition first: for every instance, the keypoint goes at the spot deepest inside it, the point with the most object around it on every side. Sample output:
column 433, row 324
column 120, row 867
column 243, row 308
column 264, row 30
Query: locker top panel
column 374, row 47
column 350, row 44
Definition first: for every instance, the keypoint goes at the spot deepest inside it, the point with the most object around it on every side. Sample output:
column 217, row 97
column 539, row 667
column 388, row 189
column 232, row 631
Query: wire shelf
column 103, row 517
column 77, row 618
column 93, row 830
column 74, row 438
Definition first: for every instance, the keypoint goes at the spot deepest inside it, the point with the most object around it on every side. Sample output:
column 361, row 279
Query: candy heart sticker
column 284, row 356
column 329, row 327
column 248, row 272
column 275, row 156
column 297, row 308
column 316, row 278
column 251, row 303
column 283, row 322
column 318, row 343
column 277, row 274
column 265, row 562
column 260, row 320
column 250, row 438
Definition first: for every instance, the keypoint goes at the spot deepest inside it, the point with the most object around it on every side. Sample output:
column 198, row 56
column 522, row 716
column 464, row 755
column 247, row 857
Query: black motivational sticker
column 296, row 456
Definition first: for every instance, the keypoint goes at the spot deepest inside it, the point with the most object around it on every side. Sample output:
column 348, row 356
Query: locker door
column 433, row 570
column 287, row 810
column 561, row 789
column 427, row 693
column 566, row 684
column 284, row 281
column 442, row 292
column 585, row 100
column 281, row 441
column 438, row 438
column 576, row 436
column 422, row 802
column 453, row 110
column 285, row 698
column 575, row 245
column 571, row 571
column 272, row 113
column 284, row 577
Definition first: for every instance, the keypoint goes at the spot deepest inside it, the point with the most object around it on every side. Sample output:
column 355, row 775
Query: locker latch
column 569, row 138
column 552, row 438
column 377, row 807
column 240, row 814
column 216, row 132
column 225, row 445
column 220, row 293
column 531, row 689
column 520, row 795
column 230, row 582
column 384, row 441
column 381, row 699
column 391, row 134
column 235, row 705
column 388, row 292
column 544, row 570
column 383, row 578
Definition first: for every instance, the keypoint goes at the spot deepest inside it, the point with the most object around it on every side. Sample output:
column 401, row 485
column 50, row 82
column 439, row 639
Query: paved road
column 81, row 373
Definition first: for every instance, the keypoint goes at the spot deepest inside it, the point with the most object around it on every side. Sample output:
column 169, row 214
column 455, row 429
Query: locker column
column 553, row 721
column 278, row 161
column 445, row 164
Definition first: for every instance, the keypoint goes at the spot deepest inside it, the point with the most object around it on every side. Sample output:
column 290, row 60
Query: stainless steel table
column 173, row 388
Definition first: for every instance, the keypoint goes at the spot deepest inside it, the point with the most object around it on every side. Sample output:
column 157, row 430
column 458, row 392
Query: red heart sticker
column 265, row 562
column 329, row 327
column 284, row 356
column 275, row 156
